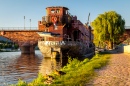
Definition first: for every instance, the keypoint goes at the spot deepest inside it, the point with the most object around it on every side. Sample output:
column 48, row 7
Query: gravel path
column 116, row 73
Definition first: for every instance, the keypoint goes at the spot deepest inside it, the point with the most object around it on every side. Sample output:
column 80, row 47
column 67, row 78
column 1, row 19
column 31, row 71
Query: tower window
column 57, row 11
column 52, row 11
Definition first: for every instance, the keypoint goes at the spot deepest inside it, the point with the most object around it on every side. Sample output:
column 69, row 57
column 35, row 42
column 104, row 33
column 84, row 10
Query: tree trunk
column 110, row 45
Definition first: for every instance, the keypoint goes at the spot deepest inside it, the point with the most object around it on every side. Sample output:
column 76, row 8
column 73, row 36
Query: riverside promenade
column 116, row 73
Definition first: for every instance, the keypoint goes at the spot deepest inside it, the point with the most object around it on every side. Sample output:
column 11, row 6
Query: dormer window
column 52, row 11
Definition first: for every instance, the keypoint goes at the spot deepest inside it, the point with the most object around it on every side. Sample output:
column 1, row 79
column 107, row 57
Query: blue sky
column 12, row 12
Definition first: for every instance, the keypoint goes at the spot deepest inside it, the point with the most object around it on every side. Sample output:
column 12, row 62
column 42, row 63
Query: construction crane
column 88, row 20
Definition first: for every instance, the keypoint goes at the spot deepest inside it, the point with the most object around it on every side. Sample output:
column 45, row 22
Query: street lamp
column 24, row 22
column 30, row 24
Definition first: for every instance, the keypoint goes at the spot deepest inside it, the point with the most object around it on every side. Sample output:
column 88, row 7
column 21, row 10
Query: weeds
column 78, row 73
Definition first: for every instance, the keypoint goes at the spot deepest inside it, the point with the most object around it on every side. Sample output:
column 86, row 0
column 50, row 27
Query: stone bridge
column 26, row 38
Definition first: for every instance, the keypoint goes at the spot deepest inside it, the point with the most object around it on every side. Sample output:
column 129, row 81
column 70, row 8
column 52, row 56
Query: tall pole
column 30, row 24
column 24, row 22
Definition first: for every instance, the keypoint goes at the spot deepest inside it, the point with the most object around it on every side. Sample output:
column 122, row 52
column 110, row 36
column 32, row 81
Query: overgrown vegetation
column 78, row 73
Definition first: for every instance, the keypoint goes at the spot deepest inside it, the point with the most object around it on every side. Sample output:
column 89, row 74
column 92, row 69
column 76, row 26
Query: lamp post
column 30, row 24
column 24, row 22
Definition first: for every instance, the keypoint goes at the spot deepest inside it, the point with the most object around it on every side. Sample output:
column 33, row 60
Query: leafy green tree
column 108, row 28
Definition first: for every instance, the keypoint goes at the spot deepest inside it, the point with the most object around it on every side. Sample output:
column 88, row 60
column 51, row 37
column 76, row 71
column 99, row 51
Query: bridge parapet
column 28, row 28
column 127, row 27
column 26, row 39
column 17, row 28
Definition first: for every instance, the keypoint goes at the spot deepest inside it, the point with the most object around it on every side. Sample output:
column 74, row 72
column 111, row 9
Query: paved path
column 116, row 73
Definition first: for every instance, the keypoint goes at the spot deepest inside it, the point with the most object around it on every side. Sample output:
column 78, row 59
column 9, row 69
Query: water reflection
column 27, row 66
column 27, row 63
column 14, row 66
column 48, row 65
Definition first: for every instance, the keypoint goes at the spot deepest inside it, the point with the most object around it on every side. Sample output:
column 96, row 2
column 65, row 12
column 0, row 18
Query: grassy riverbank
column 77, row 72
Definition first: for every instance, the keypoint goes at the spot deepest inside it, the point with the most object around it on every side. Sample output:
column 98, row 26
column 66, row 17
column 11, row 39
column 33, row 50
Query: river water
column 15, row 66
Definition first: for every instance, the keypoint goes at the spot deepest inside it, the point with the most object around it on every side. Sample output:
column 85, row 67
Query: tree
column 108, row 28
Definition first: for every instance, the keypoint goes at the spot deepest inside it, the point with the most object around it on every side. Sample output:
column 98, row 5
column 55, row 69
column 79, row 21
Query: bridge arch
column 6, row 39
column 26, row 39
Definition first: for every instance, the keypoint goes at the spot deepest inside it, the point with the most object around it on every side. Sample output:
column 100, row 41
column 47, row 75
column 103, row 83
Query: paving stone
column 116, row 73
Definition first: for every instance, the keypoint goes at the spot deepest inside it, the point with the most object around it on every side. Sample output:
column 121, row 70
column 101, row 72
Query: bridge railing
column 18, row 28
column 127, row 27
column 31, row 28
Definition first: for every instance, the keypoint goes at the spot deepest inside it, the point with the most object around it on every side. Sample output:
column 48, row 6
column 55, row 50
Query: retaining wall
column 127, row 49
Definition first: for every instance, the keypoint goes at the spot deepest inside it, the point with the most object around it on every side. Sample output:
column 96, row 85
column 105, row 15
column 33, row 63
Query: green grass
column 78, row 73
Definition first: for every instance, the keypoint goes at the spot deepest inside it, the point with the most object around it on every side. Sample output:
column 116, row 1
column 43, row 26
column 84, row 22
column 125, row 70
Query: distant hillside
column 4, row 39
